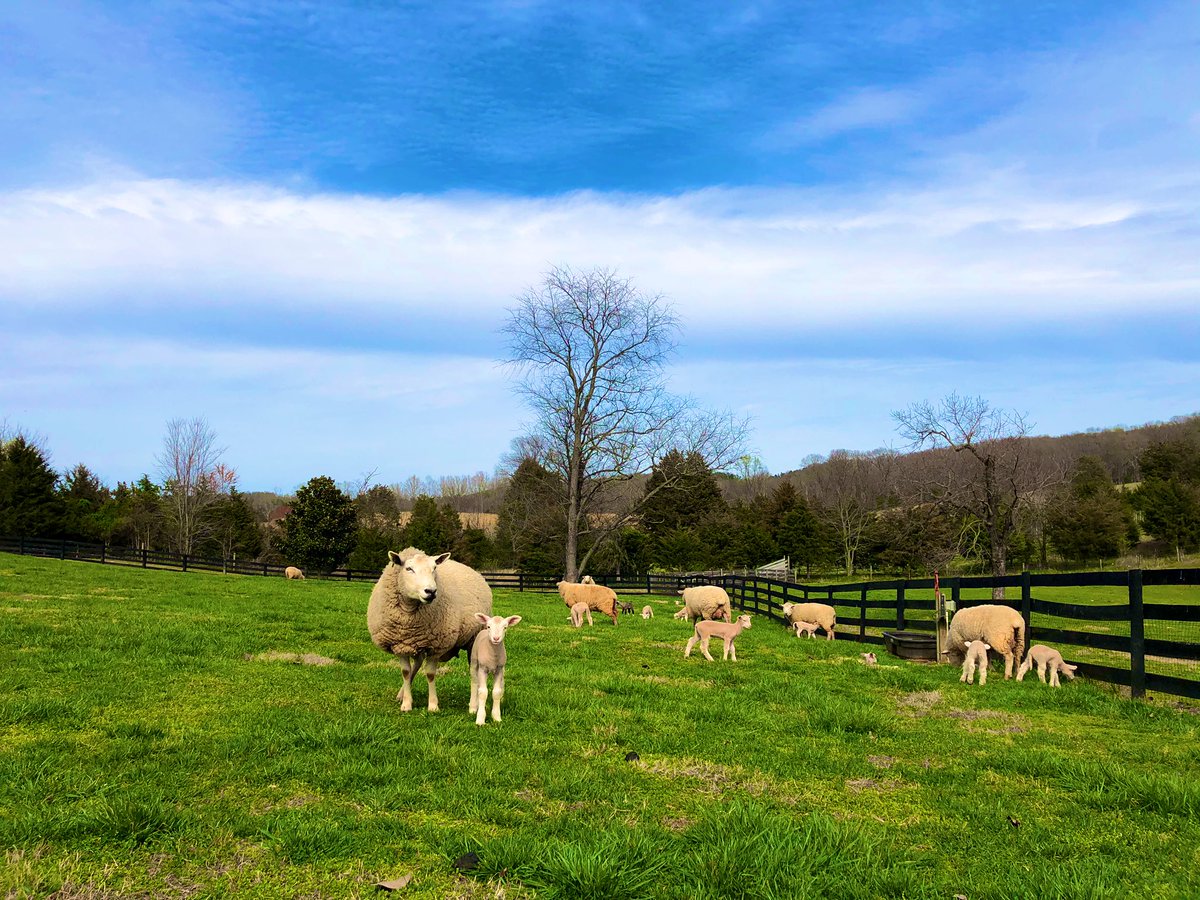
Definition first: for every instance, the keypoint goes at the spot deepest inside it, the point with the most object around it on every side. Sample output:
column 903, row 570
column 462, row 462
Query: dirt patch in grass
column 1007, row 724
column 918, row 703
column 858, row 785
column 882, row 762
column 677, row 823
column 705, row 777
column 303, row 659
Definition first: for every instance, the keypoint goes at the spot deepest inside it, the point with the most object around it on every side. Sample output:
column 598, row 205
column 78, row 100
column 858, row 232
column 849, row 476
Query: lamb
column 647, row 612
column 596, row 596
column 1046, row 658
column 869, row 659
column 424, row 608
column 705, row 631
column 488, row 657
column 822, row 613
column 806, row 627
column 976, row 655
column 1001, row 627
column 578, row 612
column 292, row 572
column 626, row 607
column 705, row 602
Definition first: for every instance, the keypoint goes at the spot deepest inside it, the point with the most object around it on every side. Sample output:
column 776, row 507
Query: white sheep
column 975, row 655
column 587, row 579
column 822, row 613
column 598, row 597
column 578, row 612
column 869, row 659
column 488, row 657
column 424, row 608
column 647, row 612
column 1001, row 627
column 809, row 628
column 705, row 601
column 1046, row 658
column 705, row 631
column 291, row 572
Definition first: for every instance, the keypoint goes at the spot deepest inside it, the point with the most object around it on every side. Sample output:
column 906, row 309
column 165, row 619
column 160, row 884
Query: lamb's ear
column 394, row 556
column 513, row 620
column 967, row 644
column 986, row 646
column 482, row 618
column 441, row 558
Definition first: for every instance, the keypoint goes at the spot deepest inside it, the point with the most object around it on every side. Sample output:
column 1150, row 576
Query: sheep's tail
column 1019, row 640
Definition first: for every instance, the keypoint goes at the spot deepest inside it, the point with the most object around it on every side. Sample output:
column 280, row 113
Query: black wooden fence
column 865, row 609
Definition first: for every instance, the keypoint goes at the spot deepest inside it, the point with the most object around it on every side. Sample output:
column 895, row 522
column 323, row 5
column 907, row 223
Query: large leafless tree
column 193, row 477
column 590, row 352
column 849, row 488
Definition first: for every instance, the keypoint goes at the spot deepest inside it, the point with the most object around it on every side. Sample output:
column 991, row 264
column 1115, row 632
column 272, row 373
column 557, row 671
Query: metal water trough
column 910, row 644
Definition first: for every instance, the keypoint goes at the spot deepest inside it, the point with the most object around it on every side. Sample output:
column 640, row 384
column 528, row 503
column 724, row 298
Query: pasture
column 161, row 735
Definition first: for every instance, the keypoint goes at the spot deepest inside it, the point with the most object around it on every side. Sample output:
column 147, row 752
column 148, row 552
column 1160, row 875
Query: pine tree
column 319, row 532
column 29, row 505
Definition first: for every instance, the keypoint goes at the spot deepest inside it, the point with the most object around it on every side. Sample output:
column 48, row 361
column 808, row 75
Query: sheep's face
column 1068, row 670
column 417, row 576
column 744, row 621
column 497, row 625
column 787, row 608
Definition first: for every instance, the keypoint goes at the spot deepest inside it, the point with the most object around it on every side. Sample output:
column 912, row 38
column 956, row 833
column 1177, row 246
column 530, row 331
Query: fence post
column 1027, row 606
column 143, row 557
column 520, row 581
column 22, row 545
column 862, row 613
column 648, row 586
column 62, row 550
column 348, row 570
column 184, row 562
column 900, row 606
column 1137, row 636
column 103, row 554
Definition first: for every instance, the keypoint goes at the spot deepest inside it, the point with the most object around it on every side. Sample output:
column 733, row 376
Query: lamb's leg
column 731, row 650
column 982, row 672
column 589, row 615
column 704, row 648
column 474, row 704
column 687, row 651
column 968, row 673
column 479, row 698
column 1042, row 671
column 1054, row 676
column 497, row 694
column 1023, row 670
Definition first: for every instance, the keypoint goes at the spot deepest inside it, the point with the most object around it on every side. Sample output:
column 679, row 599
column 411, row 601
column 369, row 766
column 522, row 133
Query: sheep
column 869, row 659
column 822, row 613
column 596, row 596
column 587, row 579
column 727, row 632
column 292, row 572
column 424, row 608
column 578, row 612
column 626, row 607
column 808, row 628
column 647, row 612
column 976, row 655
column 1046, row 658
column 1001, row 627
column 488, row 657
column 705, row 601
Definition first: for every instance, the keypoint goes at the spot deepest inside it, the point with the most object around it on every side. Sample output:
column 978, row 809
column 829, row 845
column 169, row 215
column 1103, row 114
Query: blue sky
column 304, row 221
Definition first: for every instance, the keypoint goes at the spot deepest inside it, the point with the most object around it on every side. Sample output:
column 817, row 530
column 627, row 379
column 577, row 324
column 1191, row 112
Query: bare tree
column 192, row 478
column 991, row 473
column 848, row 487
column 590, row 352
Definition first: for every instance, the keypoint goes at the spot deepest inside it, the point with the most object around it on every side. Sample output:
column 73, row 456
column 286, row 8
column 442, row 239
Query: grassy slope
column 142, row 752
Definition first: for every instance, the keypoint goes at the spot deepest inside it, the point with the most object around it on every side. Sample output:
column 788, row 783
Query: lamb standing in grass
column 976, row 655
column 578, row 611
column 647, row 612
column 706, row 630
column 488, row 657
column 424, row 608
column 1046, row 658
column 809, row 628
column 1001, row 627
column 706, row 601
column 596, row 596
column 291, row 572
column 822, row 613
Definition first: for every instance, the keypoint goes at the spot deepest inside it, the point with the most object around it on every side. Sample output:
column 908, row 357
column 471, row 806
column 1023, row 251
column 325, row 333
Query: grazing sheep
column 647, row 612
column 976, row 655
column 706, row 630
column 822, row 613
column 1046, row 658
column 488, row 657
column 705, row 602
column 1001, row 627
column 596, row 596
column 806, row 627
column 292, row 572
column 424, row 608
column 578, row 611
column 626, row 607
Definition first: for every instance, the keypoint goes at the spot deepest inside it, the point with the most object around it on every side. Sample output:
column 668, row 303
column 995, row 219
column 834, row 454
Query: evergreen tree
column 319, row 532
column 232, row 530
column 1088, row 519
column 473, row 548
column 371, row 547
column 29, row 505
column 1169, row 496
column 83, row 501
column 432, row 528
column 530, row 534
column 804, row 537
column 681, row 492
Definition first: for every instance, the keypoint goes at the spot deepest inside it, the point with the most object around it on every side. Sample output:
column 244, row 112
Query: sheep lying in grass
column 1046, row 658
column 578, row 612
column 1001, row 627
column 647, row 612
column 975, row 655
column 705, row 631
column 705, row 601
column 424, row 608
column 822, row 613
column 488, row 657
column 596, row 596
column 292, row 572
column 809, row 628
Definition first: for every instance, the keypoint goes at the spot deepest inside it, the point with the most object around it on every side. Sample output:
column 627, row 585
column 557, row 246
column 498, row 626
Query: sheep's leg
column 687, row 651
column 479, row 698
column 474, row 704
column 1054, row 677
column 1042, row 672
column 828, row 634
column 589, row 615
column 732, row 651
column 983, row 673
column 1008, row 665
column 431, row 677
column 704, row 649
column 409, row 666
column 968, row 674
column 497, row 694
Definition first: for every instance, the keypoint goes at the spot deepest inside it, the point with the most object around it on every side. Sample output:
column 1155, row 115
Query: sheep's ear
column 967, row 644
column 394, row 556
column 482, row 618
column 441, row 558
column 513, row 620
column 986, row 646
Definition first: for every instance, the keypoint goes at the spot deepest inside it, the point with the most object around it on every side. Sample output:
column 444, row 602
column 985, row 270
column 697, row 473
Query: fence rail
column 1107, row 632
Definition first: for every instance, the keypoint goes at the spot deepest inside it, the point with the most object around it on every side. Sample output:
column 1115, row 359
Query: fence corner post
column 1027, row 605
column 1137, row 636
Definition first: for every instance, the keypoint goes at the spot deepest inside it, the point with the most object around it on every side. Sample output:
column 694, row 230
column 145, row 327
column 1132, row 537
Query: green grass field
column 155, row 740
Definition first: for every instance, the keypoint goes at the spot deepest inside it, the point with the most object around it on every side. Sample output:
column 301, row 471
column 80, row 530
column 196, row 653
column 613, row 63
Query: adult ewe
column 1001, row 627
column 824, row 615
column 706, row 601
column 596, row 596
column 424, row 608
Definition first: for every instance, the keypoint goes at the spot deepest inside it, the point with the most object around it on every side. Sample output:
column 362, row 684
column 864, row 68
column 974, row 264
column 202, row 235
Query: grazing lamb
column 806, row 627
column 976, row 655
column 1046, row 658
column 487, row 658
column 424, row 608
column 578, row 611
column 822, row 613
column 647, row 612
column 726, row 631
column 596, row 596
column 292, row 572
column 626, row 607
column 705, row 602
column 1001, row 627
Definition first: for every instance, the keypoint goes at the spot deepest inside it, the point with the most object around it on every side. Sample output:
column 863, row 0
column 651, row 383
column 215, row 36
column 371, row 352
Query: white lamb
column 1001, row 627
column 424, row 608
column 291, row 572
column 647, row 612
column 578, row 612
column 706, row 630
column 488, row 657
column 809, row 628
column 1046, row 658
column 975, row 655
column 822, row 613
column 705, row 601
